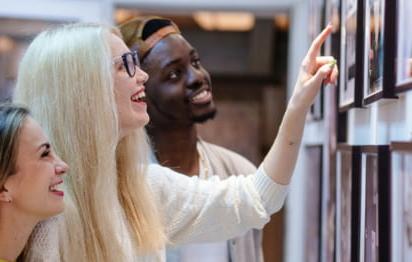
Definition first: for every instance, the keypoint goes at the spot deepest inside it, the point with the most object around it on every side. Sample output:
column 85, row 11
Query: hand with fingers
column 314, row 71
column 280, row 162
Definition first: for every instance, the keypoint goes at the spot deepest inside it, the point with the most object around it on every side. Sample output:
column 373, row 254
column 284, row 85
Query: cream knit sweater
column 194, row 210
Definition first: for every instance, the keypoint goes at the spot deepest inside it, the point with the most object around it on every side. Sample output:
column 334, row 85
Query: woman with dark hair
column 30, row 180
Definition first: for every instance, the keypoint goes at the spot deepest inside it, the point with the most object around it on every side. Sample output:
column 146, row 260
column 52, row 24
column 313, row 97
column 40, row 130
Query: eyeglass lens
column 131, row 61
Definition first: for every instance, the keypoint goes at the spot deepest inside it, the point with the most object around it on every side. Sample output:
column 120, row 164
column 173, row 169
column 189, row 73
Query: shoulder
column 229, row 157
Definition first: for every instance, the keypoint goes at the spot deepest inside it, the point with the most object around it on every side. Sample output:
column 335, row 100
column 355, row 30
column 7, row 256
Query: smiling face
column 33, row 188
column 129, row 91
column 179, row 90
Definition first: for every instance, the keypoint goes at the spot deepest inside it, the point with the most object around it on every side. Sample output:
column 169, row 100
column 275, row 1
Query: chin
column 204, row 117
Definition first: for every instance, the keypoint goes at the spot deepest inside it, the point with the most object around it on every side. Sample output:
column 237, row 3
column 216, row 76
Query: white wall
column 62, row 10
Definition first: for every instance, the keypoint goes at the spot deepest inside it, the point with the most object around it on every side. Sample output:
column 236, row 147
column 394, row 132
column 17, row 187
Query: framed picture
column 375, row 204
column 328, row 244
column 347, row 201
column 401, row 201
column 379, row 50
column 351, row 73
column 316, row 20
column 403, row 45
column 313, row 203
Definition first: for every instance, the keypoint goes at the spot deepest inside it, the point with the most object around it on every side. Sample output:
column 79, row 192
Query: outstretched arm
column 280, row 162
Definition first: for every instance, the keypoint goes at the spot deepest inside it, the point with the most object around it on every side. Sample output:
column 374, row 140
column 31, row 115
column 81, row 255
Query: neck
column 176, row 148
column 15, row 230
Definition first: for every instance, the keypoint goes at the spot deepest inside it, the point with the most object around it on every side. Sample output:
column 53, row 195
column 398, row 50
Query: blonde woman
column 30, row 180
column 86, row 89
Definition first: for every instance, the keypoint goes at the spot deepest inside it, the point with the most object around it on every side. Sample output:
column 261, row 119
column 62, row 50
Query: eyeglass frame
column 135, row 59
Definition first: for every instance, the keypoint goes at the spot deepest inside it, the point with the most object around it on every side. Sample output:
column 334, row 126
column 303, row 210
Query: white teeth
column 201, row 95
column 138, row 96
column 56, row 187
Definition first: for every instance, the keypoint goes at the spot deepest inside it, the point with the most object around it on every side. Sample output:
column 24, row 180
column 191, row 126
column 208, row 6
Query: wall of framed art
column 369, row 109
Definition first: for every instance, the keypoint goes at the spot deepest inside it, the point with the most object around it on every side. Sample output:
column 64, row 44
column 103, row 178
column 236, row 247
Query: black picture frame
column 379, row 50
column 401, row 201
column 328, row 225
column 375, row 224
column 348, row 184
column 313, row 203
column 403, row 45
column 316, row 12
column 351, row 64
column 316, row 24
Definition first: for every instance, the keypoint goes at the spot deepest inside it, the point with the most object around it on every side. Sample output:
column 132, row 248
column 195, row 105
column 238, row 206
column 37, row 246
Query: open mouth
column 202, row 97
column 139, row 97
column 56, row 189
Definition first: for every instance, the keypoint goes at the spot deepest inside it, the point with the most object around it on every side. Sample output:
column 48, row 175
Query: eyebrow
column 46, row 145
column 177, row 60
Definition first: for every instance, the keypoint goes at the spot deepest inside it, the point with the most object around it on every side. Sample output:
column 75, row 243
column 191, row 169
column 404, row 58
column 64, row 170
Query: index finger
column 314, row 49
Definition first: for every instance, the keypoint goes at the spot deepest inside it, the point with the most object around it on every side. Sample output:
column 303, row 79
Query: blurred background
column 252, row 50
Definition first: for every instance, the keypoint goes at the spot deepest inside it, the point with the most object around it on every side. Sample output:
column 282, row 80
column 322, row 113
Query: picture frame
column 375, row 226
column 401, row 201
column 313, row 203
column 348, row 177
column 351, row 64
column 316, row 24
column 328, row 234
column 403, row 45
column 379, row 50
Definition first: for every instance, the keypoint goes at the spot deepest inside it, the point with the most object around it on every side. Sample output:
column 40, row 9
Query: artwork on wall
column 401, row 201
column 379, row 51
column 350, row 90
column 347, row 200
column 404, row 45
column 375, row 205
column 313, row 203
column 329, row 226
column 316, row 11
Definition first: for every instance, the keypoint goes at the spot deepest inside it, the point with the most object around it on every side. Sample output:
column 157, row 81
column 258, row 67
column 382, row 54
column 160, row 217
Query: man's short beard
column 203, row 118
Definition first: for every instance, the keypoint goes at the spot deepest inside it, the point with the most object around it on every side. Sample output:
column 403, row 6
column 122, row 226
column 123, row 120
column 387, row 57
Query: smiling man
column 179, row 95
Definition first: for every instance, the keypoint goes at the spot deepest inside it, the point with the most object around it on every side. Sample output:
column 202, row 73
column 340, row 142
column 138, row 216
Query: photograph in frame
column 371, row 237
column 347, row 202
column 401, row 198
column 404, row 45
column 349, row 92
column 374, row 46
column 316, row 24
column 375, row 226
column 379, row 50
column 331, row 220
column 313, row 203
column 344, row 214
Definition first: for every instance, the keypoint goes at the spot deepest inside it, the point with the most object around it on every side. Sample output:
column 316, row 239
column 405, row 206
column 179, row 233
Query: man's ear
column 5, row 195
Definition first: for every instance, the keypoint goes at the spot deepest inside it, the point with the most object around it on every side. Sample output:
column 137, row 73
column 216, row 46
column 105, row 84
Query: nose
column 61, row 167
column 195, row 78
column 141, row 76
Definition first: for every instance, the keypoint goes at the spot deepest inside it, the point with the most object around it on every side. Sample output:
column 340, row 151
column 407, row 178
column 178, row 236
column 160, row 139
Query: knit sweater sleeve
column 197, row 210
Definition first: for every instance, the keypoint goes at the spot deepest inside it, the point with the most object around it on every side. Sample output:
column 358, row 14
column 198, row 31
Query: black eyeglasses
column 130, row 61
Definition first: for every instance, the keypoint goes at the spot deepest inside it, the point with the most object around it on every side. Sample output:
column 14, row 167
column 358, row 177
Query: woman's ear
column 5, row 195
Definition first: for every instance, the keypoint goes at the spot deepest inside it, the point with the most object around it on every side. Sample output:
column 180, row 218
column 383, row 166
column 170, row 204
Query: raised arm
column 280, row 162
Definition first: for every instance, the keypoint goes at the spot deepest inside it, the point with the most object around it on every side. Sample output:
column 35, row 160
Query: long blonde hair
column 65, row 78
